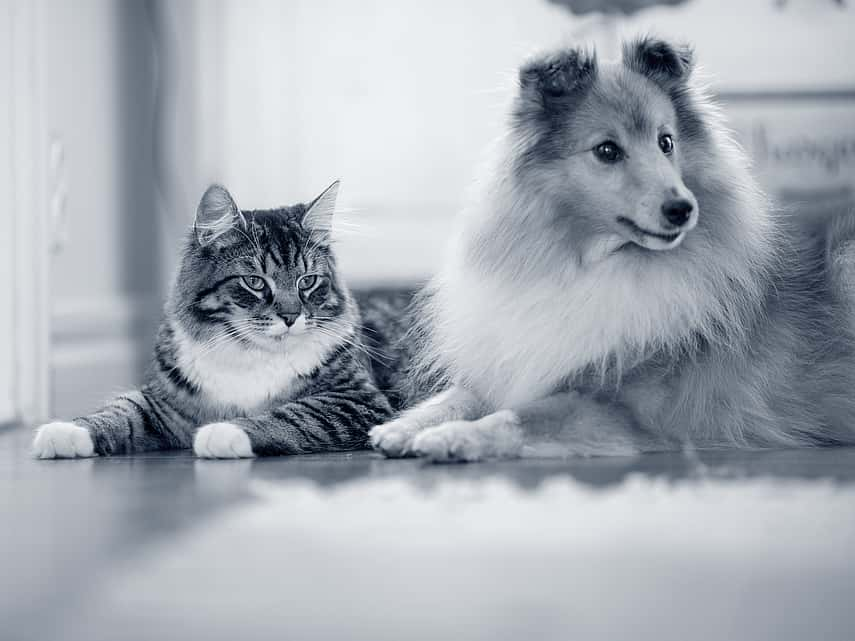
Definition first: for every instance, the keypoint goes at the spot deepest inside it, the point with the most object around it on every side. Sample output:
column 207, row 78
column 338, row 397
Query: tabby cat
column 261, row 351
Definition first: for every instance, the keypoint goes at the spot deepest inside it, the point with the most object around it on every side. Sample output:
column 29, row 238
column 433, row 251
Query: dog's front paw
column 453, row 441
column 222, row 440
column 62, row 440
column 497, row 435
column 395, row 438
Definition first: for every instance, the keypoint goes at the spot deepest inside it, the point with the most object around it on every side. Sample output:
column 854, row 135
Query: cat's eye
column 666, row 144
column 255, row 283
column 608, row 152
column 306, row 281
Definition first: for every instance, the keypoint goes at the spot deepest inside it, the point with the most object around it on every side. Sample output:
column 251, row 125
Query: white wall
column 105, row 271
column 7, row 283
column 399, row 99
column 23, row 249
column 395, row 98
column 751, row 45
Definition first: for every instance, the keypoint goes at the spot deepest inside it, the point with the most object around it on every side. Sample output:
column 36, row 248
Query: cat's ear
column 319, row 213
column 217, row 215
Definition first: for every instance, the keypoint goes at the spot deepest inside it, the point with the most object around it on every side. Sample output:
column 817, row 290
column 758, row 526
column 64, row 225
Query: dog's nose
column 289, row 318
column 677, row 211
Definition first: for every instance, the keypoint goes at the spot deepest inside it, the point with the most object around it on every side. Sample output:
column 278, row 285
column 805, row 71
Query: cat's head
column 261, row 277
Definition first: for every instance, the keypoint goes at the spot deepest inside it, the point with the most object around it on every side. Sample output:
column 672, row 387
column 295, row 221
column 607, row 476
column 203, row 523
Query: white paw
column 222, row 440
column 395, row 438
column 62, row 440
column 454, row 441
column 496, row 435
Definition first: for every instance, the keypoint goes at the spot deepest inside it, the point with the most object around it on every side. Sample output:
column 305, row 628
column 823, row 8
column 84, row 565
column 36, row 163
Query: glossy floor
column 716, row 546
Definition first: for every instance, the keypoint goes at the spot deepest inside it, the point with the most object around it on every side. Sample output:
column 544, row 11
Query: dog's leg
column 394, row 439
column 497, row 435
column 564, row 424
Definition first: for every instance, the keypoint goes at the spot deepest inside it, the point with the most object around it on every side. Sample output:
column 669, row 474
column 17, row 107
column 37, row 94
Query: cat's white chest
column 244, row 379
column 232, row 375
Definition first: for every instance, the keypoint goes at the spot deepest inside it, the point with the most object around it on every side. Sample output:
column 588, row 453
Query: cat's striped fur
column 262, row 346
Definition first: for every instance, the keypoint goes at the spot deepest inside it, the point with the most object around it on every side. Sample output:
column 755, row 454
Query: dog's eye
column 306, row 281
column 608, row 152
column 666, row 143
column 255, row 283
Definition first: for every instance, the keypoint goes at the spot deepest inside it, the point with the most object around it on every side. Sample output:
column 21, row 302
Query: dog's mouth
column 651, row 239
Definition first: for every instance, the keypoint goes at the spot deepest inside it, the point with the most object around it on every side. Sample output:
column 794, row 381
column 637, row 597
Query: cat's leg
column 564, row 424
column 325, row 422
column 133, row 422
column 223, row 440
column 395, row 438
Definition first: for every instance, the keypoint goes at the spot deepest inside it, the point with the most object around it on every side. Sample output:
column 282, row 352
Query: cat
column 261, row 350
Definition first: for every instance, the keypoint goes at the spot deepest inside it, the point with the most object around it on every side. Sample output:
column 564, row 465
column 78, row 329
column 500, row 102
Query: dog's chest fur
column 513, row 343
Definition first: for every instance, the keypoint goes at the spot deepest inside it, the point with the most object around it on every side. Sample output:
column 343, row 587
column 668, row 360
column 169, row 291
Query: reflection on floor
column 757, row 545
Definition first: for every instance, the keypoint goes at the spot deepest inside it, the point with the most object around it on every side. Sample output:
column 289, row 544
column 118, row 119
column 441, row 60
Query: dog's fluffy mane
column 519, row 309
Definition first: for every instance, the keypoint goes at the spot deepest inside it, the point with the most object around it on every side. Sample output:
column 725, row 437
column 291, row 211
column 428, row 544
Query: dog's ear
column 666, row 64
column 558, row 76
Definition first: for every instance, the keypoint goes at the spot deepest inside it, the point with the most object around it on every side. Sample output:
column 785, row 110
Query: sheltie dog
column 619, row 284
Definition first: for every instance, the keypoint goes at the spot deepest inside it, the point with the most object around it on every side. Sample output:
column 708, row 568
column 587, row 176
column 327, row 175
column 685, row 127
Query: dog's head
column 608, row 143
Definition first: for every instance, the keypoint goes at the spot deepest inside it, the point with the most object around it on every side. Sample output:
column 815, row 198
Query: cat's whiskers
column 350, row 341
column 356, row 325
column 216, row 338
column 354, row 229
column 318, row 239
column 258, row 329
column 212, row 345
column 255, row 238
column 219, row 339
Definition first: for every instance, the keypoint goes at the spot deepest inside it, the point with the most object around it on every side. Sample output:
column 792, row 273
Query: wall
column 399, row 99
column 23, row 248
column 105, row 274
column 7, row 283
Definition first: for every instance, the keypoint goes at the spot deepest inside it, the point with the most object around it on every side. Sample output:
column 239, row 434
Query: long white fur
column 235, row 375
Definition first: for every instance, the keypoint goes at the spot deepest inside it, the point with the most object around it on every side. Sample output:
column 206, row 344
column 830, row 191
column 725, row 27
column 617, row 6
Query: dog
column 619, row 284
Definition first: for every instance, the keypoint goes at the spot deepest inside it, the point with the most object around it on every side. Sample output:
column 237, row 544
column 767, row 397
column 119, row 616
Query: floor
column 729, row 546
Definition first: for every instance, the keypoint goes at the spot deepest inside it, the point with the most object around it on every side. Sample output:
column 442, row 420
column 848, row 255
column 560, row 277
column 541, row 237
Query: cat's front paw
column 395, row 438
column 62, row 440
column 496, row 435
column 222, row 440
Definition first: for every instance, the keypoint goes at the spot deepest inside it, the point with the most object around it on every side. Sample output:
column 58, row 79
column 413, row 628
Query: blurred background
column 115, row 115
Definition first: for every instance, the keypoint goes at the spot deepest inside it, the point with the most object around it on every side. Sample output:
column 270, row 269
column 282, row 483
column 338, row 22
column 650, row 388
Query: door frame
column 28, row 211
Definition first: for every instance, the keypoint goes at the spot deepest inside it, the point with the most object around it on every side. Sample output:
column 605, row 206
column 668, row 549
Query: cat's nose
column 289, row 318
